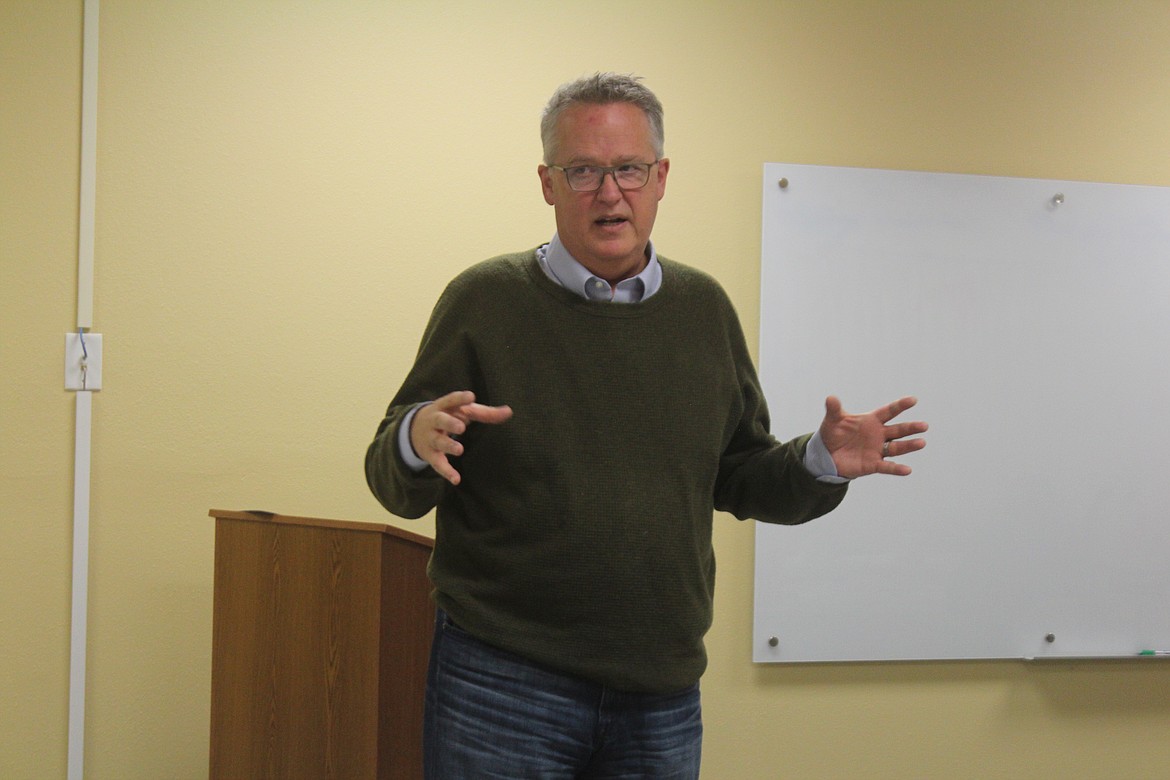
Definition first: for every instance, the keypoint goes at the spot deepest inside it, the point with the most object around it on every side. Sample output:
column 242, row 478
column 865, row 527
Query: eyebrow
column 579, row 161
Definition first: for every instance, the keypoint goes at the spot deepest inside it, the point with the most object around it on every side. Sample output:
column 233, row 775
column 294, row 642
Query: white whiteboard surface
column 1032, row 320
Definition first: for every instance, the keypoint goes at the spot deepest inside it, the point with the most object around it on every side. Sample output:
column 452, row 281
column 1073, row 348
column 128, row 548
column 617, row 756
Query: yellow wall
column 284, row 188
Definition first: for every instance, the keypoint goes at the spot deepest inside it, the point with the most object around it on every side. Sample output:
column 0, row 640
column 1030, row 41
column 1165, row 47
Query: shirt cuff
column 409, row 457
column 819, row 462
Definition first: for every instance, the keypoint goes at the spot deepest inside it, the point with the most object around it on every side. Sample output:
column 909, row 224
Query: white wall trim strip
column 88, row 195
column 78, row 627
column 84, row 408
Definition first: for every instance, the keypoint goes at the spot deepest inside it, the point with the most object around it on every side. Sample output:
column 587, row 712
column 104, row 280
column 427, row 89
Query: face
column 607, row 230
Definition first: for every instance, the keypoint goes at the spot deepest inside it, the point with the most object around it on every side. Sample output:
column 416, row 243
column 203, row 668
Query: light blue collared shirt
column 565, row 270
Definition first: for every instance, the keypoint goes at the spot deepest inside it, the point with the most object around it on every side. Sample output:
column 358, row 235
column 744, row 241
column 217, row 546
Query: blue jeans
column 493, row 714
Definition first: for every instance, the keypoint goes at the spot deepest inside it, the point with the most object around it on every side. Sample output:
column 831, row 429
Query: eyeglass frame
column 608, row 170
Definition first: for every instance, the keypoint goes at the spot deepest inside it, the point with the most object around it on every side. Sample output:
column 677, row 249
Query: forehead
column 588, row 132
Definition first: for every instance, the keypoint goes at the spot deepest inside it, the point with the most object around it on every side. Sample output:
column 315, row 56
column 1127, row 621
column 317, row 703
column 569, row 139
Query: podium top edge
column 261, row 516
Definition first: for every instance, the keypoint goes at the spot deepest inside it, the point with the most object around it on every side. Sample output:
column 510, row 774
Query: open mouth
column 611, row 221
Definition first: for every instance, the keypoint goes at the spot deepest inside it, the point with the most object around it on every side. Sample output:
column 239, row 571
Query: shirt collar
column 565, row 270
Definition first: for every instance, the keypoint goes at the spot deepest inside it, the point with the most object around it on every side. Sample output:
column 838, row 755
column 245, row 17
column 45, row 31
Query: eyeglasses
column 588, row 178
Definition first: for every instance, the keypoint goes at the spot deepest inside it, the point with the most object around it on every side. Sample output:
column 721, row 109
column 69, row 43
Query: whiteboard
column 1032, row 320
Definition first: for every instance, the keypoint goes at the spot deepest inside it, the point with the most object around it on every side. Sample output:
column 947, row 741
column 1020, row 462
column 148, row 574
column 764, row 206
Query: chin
column 617, row 260
column 614, row 249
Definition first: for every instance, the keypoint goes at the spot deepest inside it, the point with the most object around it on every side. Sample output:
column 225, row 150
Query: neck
column 629, row 273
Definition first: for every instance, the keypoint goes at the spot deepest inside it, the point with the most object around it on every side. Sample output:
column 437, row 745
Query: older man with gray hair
column 576, row 412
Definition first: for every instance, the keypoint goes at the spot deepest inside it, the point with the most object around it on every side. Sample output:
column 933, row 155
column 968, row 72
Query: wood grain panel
column 320, row 643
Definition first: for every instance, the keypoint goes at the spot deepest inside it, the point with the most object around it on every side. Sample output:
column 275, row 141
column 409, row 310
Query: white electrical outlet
column 83, row 361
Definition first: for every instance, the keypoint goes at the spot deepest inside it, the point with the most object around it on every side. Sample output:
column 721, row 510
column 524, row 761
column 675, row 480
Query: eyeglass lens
column 585, row 178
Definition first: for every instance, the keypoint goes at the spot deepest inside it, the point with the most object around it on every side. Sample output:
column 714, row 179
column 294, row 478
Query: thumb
column 832, row 408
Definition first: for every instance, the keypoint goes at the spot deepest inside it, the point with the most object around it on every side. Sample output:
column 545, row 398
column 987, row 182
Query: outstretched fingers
column 896, row 442
column 861, row 444
column 895, row 408
column 487, row 414
column 894, row 448
column 435, row 426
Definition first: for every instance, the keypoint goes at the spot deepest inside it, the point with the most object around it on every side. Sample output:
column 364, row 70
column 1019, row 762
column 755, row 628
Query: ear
column 546, row 186
column 660, row 180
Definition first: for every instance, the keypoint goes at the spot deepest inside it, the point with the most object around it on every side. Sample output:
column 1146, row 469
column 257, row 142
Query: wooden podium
column 320, row 642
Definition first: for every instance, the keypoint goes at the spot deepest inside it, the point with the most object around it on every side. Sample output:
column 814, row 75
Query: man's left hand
column 861, row 443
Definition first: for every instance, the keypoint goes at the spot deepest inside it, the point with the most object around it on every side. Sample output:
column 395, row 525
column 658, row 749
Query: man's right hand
column 435, row 424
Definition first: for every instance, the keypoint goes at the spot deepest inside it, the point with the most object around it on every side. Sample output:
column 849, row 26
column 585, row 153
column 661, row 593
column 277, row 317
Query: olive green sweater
column 580, row 534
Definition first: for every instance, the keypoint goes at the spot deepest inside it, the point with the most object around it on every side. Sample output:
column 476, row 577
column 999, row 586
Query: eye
column 583, row 174
column 632, row 175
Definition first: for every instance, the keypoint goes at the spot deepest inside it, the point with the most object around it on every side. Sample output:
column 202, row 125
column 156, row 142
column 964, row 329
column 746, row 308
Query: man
column 576, row 412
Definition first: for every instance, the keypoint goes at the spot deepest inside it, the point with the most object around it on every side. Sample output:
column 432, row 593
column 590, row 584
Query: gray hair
column 600, row 89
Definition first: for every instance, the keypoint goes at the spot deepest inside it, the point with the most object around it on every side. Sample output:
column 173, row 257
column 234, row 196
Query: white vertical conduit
column 89, row 77
column 84, row 409
column 77, row 632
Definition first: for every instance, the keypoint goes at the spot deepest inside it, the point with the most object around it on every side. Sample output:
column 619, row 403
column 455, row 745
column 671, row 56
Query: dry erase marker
column 1155, row 652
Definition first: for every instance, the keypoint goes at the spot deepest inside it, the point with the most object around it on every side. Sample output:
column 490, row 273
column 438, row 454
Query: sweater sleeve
column 759, row 477
column 401, row 490
column 444, row 363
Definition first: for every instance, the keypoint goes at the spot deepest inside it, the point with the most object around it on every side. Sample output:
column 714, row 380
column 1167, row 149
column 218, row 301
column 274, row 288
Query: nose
column 609, row 190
